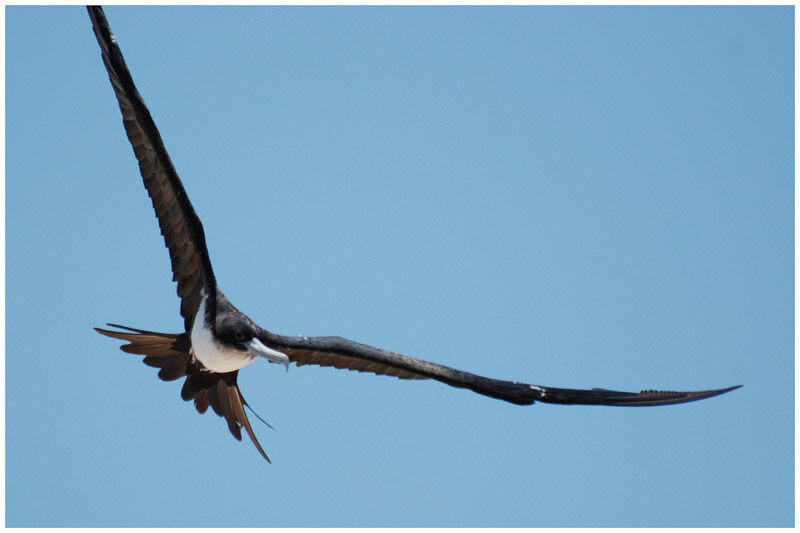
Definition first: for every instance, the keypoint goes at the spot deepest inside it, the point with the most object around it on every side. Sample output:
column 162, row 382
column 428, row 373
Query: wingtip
column 702, row 395
column 723, row 391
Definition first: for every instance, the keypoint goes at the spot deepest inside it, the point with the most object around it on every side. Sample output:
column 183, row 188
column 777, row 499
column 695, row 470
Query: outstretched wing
column 170, row 353
column 342, row 353
column 180, row 226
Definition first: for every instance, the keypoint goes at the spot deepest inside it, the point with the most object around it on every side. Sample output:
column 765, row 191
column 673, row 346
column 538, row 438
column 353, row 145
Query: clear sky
column 577, row 197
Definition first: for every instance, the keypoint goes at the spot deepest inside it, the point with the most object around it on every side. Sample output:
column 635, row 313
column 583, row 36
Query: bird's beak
column 256, row 347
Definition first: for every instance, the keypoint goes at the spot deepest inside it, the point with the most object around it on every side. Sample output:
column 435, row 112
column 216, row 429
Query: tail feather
column 170, row 353
column 222, row 393
column 167, row 351
column 201, row 401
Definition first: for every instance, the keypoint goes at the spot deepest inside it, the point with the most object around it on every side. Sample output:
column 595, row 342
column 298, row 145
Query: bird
column 218, row 339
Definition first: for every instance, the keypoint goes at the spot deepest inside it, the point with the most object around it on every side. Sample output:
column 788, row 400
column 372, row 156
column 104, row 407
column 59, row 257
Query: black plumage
column 174, row 355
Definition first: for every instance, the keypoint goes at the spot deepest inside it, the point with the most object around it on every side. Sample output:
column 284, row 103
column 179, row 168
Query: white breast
column 213, row 355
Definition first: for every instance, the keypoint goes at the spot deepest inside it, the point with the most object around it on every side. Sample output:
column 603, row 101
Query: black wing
column 342, row 353
column 180, row 226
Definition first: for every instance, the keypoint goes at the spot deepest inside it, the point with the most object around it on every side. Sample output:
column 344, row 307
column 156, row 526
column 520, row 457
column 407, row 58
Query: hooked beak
column 256, row 347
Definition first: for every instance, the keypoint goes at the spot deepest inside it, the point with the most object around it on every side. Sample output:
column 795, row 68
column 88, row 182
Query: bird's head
column 240, row 333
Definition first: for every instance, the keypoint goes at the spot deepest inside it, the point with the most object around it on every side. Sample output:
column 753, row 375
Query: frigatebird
column 218, row 339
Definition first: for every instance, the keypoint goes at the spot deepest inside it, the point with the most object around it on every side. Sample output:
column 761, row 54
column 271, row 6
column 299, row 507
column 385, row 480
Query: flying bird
column 218, row 339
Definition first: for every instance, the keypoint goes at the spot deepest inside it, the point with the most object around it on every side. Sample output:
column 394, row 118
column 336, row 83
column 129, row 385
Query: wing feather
column 311, row 357
column 180, row 226
column 343, row 353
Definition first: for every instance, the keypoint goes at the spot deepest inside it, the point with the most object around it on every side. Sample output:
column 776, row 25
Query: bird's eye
column 239, row 335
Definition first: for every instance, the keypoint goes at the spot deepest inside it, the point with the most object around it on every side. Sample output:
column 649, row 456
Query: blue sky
column 578, row 197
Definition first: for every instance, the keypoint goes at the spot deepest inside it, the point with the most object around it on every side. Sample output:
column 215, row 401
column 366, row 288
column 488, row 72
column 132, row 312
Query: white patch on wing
column 214, row 356
column 540, row 389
